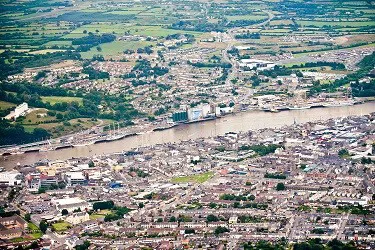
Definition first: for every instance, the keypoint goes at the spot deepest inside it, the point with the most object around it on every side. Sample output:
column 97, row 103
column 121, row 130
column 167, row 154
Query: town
column 199, row 124
column 299, row 182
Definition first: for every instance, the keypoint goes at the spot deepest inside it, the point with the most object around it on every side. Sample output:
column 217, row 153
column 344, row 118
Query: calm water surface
column 244, row 121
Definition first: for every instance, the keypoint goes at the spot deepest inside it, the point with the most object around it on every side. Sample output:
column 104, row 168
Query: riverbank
column 242, row 121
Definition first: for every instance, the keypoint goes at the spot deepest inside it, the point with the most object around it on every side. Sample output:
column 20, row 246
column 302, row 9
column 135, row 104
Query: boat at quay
column 242, row 121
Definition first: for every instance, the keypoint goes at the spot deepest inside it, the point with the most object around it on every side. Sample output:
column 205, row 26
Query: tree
column 220, row 230
column 280, row 186
column 141, row 205
column 84, row 246
column 212, row 205
column 28, row 217
column 61, row 185
column 189, row 231
column 91, row 164
column 59, row 116
column 103, row 205
column 43, row 226
column 343, row 153
column 212, row 218
column 33, row 245
column 64, row 212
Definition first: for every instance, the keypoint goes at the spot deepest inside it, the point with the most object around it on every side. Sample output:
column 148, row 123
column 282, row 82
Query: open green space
column 61, row 226
column 32, row 226
column 198, row 178
column 246, row 17
column 33, row 235
column 114, row 48
column 100, row 214
column 45, row 51
column 6, row 105
column 58, row 128
column 59, row 99
column 338, row 24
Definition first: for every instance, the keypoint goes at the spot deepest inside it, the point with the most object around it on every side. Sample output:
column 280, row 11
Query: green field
column 61, row 226
column 37, row 116
column 58, row 128
column 6, row 105
column 58, row 43
column 99, row 214
column 36, row 234
column 45, row 51
column 158, row 31
column 198, row 178
column 32, row 226
column 338, row 24
column 58, row 99
column 115, row 48
column 246, row 17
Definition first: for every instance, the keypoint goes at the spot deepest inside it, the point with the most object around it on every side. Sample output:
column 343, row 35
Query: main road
column 231, row 32
column 243, row 121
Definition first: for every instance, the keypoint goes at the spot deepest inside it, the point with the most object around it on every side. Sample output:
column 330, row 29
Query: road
column 340, row 231
column 233, row 73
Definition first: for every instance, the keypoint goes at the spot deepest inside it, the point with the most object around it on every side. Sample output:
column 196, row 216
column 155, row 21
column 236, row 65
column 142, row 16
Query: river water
column 244, row 121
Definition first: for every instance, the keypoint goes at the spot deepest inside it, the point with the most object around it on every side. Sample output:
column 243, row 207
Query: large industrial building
column 10, row 178
column 197, row 113
column 20, row 110
column 71, row 204
column 256, row 64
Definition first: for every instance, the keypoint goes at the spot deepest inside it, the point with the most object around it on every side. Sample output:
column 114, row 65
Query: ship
column 101, row 139
column 83, row 143
column 317, row 105
column 202, row 120
column 46, row 149
column 14, row 151
column 63, row 146
column 298, row 107
column 32, row 150
column 17, row 152
column 168, row 126
column 339, row 104
column 115, row 137
column 115, row 134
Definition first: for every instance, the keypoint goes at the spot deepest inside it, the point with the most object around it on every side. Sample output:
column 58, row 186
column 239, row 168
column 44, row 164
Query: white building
column 222, row 111
column 199, row 112
column 75, row 178
column 20, row 110
column 10, row 178
column 77, row 218
column 256, row 64
column 233, row 220
column 71, row 204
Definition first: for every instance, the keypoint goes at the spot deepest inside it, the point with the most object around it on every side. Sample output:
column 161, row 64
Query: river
column 244, row 121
